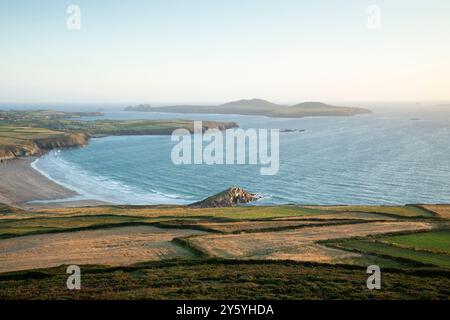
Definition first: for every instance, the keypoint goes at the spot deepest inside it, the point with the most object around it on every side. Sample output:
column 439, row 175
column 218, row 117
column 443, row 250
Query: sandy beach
column 20, row 183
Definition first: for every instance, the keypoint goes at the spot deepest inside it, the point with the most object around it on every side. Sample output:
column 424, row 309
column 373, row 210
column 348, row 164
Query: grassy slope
column 434, row 241
column 14, row 228
column 64, row 219
column 430, row 248
column 246, row 212
column 225, row 280
column 219, row 279
column 177, row 212
column 377, row 248
column 403, row 211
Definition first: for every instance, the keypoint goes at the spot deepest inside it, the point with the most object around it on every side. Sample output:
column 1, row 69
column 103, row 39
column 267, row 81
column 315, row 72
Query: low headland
column 31, row 133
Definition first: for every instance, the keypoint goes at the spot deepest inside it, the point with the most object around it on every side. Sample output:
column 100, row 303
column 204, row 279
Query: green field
column 435, row 241
column 67, row 219
column 18, row 223
column 408, row 211
column 173, row 212
column 414, row 265
column 385, row 250
column 15, row 228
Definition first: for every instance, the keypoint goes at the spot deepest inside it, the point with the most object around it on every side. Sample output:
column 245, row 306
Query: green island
column 259, row 107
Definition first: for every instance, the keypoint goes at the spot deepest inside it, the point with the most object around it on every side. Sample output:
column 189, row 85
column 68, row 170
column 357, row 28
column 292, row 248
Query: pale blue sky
column 205, row 51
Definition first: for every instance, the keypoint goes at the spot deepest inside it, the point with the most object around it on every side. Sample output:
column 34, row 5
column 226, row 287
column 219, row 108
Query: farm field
column 168, row 252
column 442, row 210
column 385, row 250
column 402, row 211
column 246, row 212
column 428, row 248
column 299, row 244
column 113, row 246
column 435, row 241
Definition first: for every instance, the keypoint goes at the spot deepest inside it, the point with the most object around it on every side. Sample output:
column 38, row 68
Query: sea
column 399, row 154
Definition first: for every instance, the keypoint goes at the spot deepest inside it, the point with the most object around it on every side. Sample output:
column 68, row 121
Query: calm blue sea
column 388, row 157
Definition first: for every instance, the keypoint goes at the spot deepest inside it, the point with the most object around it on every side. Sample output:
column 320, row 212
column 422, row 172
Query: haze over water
column 382, row 158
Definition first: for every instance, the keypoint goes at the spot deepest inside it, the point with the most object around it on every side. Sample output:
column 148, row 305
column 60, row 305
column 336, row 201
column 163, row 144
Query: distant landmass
column 139, row 107
column 259, row 107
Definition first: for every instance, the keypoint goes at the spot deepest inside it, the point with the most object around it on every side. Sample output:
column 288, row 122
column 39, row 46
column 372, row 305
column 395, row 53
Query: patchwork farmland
column 241, row 252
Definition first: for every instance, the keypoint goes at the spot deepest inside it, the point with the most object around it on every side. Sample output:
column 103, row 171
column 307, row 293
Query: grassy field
column 382, row 249
column 415, row 265
column 15, row 223
column 215, row 279
column 14, row 228
column 435, row 241
column 246, row 212
column 428, row 248
column 299, row 244
column 399, row 211
column 112, row 246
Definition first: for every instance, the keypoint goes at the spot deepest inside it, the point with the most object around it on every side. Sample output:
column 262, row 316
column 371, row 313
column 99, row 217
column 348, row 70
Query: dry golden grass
column 175, row 212
column 442, row 210
column 229, row 227
column 344, row 216
column 115, row 246
column 299, row 244
column 401, row 211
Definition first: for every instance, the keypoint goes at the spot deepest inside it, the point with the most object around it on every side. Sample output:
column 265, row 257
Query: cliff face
column 24, row 149
column 228, row 198
column 34, row 147
column 68, row 140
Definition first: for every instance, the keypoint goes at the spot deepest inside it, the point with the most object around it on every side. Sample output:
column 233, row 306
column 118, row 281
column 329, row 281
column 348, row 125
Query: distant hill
column 255, row 103
column 260, row 107
column 139, row 107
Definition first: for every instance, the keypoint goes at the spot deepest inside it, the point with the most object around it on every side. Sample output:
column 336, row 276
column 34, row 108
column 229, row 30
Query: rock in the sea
column 228, row 198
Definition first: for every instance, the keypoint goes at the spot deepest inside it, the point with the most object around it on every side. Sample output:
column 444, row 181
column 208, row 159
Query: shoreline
column 20, row 183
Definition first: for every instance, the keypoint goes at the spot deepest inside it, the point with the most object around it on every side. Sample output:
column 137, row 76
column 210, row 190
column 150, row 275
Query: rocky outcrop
column 24, row 149
column 228, row 198
column 68, row 140
column 35, row 147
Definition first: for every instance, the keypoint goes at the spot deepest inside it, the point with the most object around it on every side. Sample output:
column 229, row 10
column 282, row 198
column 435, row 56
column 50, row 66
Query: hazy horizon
column 285, row 51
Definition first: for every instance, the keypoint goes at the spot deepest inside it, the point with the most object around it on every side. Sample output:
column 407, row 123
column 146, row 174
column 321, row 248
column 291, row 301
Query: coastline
column 20, row 183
